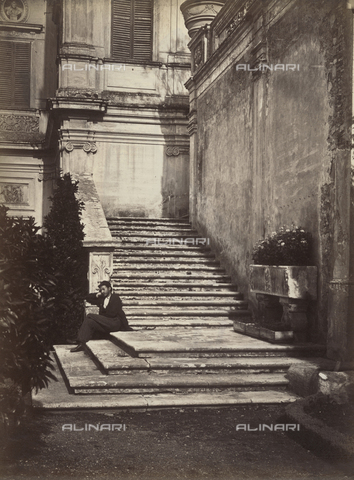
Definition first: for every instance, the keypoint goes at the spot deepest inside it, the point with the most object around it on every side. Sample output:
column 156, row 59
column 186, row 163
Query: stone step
column 162, row 253
column 205, row 343
column 169, row 312
column 160, row 248
column 205, row 286
column 145, row 220
column 108, row 355
column 171, row 275
column 181, row 294
column 190, row 267
column 144, row 241
column 151, row 234
column 186, row 303
column 158, row 239
column 165, row 261
column 152, row 382
column 150, row 227
column 166, row 297
column 185, row 322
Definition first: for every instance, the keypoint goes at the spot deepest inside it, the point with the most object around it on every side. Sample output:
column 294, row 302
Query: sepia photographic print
column 176, row 239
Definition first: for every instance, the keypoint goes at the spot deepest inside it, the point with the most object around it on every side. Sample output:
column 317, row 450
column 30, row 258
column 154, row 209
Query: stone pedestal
column 295, row 314
column 270, row 310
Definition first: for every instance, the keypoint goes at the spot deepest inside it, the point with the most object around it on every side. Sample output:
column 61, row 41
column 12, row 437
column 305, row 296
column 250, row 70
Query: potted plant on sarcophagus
column 284, row 280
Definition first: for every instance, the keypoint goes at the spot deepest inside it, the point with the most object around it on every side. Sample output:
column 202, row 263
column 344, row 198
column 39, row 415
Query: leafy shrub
column 26, row 298
column 64, row 231
column 288, row 246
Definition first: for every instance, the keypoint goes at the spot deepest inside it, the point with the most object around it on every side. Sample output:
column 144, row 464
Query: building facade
column 245, row 127
column 96, row 88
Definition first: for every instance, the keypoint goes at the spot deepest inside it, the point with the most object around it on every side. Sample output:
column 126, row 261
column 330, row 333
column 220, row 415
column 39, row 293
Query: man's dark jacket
column 114, row 308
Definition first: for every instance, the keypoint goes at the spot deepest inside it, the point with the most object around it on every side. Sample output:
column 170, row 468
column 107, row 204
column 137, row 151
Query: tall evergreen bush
column 64, row 231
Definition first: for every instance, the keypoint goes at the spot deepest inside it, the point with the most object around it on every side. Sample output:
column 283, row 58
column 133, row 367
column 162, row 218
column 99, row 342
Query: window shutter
column 15, row 71
column 121, row 29
column 142, row 29
column 132, row 30
column 6, row 75
column 22, row 69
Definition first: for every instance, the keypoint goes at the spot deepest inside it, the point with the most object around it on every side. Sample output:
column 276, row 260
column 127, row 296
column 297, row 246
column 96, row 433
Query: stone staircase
column 169, row 285
column 183, row 350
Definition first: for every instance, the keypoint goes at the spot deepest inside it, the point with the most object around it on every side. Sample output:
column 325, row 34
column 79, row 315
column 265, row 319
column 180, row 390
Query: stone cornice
column 76, row 103
column 241, row 19
column 21, row 27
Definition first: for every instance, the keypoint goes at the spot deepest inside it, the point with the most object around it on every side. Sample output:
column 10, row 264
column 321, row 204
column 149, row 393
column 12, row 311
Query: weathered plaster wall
column 128, row 188
column 267, row 143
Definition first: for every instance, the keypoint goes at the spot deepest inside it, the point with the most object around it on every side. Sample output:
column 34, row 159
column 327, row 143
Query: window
column 132, row 30
column 15, row 69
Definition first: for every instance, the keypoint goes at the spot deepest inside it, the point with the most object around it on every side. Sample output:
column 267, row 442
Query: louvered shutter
column 142, row 31
column 15, row 71
column 132, row 30
column 6, row 75
column 22, row 69
column 121, row 29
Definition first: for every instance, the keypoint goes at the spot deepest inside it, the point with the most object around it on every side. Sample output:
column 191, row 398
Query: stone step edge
column 169, row 277
column 164, row 266
column 152, row 234
column 153, row 324
column 120, row 262
column 178, row 285
column 151, row 227
column 147, row 253
column 156, row 380
column 184, row 303
column 118, row 245
column 149, row 219
column 181, row 293
column 185, row 313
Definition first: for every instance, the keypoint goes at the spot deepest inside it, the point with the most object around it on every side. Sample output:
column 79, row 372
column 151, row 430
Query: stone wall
column 265, row 143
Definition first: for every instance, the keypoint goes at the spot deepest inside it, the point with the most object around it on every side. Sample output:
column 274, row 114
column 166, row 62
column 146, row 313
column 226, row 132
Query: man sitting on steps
column 110, row 318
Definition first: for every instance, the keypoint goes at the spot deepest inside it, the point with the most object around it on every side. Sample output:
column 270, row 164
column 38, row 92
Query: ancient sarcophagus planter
column 299, row 282
column 289, row 287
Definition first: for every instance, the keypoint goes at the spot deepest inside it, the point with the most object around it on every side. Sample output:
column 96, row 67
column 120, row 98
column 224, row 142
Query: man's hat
column 105, row 283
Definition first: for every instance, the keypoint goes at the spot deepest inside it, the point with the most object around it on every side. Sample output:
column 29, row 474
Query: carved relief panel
column 100, row 268
column 14, row 10
column 13, row 193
